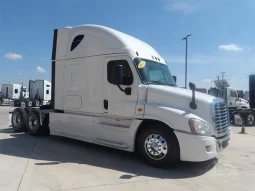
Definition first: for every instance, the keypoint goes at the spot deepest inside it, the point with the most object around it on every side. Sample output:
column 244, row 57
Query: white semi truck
column 112, row 89
column 10, row 92
column 235, row 104
column 39, row 93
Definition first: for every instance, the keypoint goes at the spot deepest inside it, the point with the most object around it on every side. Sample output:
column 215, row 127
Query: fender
column 176, row 119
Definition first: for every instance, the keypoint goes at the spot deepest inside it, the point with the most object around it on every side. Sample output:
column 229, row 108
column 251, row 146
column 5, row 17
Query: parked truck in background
column 38, row 93
column 234, row 103
column 246, row 95
column 240, row 93
column 112, row 89
column 10, row 92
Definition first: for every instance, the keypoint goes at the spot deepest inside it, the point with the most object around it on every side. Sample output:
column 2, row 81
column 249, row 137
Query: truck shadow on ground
column 54, row 150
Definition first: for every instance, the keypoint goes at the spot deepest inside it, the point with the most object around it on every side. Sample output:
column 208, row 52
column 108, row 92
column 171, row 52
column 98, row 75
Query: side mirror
column 118, row 79
column 118, row 75
column 192, row 86
column 193, row 104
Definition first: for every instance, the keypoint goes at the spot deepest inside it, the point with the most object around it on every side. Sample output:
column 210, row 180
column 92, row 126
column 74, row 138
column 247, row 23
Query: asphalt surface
column 56, row 163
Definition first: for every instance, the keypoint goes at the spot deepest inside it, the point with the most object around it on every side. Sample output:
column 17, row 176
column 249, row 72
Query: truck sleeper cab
column 115, row 90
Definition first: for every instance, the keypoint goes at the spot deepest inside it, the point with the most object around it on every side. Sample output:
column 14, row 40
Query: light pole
column 186, row 38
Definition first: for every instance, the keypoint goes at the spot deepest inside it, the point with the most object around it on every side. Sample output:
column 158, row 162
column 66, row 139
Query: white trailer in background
column 10, row 92
column 39, row 93
column 39, row 90
column 115, row 90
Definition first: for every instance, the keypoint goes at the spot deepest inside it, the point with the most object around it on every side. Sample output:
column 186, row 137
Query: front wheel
column 159, row 146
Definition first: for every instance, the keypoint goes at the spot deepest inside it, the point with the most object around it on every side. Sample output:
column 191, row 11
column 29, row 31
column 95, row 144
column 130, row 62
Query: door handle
column 105, row 104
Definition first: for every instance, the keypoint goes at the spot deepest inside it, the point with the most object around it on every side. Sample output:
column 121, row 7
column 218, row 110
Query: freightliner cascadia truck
column 112, row 89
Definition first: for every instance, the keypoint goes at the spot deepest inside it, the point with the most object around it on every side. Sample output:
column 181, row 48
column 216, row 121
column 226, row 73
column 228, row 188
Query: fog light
column 208, row 148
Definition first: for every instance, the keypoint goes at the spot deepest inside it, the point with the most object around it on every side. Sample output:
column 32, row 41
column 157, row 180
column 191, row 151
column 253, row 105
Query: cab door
column 115, row 101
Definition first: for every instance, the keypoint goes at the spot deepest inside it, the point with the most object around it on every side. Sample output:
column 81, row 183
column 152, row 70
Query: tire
column 17, row 103
column 1, row 102
column 29, row 103
column 33, row 123
column 250, row 120
column 163, row 137
column 37, row 103
column 19, row 119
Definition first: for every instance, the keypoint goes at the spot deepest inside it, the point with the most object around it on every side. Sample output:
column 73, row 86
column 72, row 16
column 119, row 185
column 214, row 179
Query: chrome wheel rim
column 16, row 120
column 32, row 122
column 250, row 119
column 155, row 146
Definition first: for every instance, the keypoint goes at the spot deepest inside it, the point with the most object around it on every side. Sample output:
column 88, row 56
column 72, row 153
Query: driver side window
column 127, row 72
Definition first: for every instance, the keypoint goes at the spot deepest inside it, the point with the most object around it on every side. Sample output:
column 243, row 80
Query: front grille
column 221, row 118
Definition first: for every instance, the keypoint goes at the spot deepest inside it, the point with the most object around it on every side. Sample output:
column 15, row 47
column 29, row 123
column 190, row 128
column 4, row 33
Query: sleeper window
column 76, row 41
column 127, row 73
column 16, row 91
column 47, row 91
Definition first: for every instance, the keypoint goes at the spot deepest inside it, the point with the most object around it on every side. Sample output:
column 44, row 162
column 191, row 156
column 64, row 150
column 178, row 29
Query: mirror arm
column 126, row 90
column 193, row 104
column 123, row 90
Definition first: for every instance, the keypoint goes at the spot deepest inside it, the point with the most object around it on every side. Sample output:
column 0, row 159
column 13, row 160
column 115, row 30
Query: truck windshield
column 233, row 93
column 152, row 72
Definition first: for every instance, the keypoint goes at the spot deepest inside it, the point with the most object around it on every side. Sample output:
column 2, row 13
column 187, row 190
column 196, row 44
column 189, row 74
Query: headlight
column 200, row 127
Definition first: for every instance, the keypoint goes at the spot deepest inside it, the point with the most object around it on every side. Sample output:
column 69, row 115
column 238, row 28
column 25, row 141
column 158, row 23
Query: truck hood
column 182, row 94
column 172, row 105
column 243, row 102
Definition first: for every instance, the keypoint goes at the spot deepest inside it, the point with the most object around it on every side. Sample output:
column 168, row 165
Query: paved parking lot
column 55, row 163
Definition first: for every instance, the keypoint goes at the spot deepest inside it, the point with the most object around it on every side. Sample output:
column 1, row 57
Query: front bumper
column 197, row 148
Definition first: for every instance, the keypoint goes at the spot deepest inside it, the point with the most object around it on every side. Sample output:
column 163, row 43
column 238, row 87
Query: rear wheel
column 29, row 103
column 33, row 123
column 19, row 118
column 1, row 102
column 37, row 103
column 159, row 146
column 250, row 119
